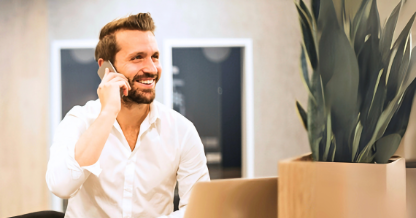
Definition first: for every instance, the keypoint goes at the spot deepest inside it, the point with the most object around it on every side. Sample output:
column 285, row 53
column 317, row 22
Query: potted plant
column 360, row 94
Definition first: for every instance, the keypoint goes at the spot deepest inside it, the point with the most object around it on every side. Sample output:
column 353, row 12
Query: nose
column 149, row 66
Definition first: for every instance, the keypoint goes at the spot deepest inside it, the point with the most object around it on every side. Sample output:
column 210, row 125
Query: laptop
column 234, row 198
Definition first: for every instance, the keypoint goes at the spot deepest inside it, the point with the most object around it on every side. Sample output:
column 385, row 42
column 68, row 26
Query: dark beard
column 135, row 96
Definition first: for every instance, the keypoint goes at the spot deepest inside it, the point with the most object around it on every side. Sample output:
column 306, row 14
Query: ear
column 100, row 62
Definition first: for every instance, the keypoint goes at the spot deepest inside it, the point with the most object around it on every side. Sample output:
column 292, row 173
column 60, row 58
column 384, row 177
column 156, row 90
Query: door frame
column 55, row 94
column 247, row 118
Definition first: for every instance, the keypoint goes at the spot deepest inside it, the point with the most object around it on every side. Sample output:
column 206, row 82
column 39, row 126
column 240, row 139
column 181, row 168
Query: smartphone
column 101, row 72
column 106, row 64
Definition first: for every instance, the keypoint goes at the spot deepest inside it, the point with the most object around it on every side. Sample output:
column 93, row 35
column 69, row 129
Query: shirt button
column 127, row 189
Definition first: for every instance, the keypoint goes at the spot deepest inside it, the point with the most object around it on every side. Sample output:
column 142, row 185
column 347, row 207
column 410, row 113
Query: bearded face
column 139, row 93
column 138, row 60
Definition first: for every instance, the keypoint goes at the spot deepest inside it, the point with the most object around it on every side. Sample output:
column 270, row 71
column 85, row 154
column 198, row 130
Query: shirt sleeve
column 64, row 175
column 192, row 169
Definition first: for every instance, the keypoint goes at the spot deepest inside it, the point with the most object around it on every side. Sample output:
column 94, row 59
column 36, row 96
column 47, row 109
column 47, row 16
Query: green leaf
column 329, row 137
column 373, row 115
column 388, row 32
column 308, row 39
column 406, row 31
column 386, row 147
column 315, row 8
column 370, row 65
column 316, row 116
column 304, row 68
column 411, row 69
column 306, row 10
column 398, row 69
column 399, row 121
column 366, row 24
column 302, row 114
column 327, row 16
column 339, row 70
column 399, row 62
column 356, row 141
column 334, row 150
column 381, row 126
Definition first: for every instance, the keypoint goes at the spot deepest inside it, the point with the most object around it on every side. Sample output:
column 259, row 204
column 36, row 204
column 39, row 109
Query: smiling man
column 121, row 155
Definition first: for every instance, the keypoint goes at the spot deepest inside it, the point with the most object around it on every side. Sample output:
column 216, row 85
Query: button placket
column 128, row 187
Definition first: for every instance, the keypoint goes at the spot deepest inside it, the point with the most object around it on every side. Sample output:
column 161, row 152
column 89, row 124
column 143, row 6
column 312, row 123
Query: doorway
column 207, row 91
column 209, row 81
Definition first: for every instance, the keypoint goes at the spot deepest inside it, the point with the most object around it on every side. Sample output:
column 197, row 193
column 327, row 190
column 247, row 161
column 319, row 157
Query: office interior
column 241, row 140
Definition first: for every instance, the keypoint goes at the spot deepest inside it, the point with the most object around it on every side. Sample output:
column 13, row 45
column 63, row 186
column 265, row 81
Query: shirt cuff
column 94, row 169
column 76, row 169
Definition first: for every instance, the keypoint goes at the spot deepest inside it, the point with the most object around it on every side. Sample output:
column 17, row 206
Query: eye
column 137, row 57
column 155, row 56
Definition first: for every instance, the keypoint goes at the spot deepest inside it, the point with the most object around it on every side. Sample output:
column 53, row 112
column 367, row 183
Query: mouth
column 146, row 82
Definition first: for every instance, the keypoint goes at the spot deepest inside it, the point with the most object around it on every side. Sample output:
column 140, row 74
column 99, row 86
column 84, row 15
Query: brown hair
column 107, row 46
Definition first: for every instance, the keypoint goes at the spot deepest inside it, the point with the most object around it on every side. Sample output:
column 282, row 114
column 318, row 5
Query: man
column 121, row 155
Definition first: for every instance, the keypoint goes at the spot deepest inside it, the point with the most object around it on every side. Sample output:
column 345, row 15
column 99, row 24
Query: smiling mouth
column 146, row 81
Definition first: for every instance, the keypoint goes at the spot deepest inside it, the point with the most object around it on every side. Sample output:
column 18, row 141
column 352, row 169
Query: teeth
column 146, row 81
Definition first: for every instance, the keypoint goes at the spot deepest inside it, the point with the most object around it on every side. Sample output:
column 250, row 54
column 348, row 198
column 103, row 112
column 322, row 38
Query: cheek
column 159, row 71
column 131, row 70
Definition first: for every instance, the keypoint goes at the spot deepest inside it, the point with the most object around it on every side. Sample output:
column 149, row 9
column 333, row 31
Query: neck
column 132, row 115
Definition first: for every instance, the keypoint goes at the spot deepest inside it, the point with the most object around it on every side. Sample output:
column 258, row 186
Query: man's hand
column 91, row 143
column 109, row 91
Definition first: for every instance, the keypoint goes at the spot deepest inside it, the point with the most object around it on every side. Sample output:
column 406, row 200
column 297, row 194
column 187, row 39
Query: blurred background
column 206, row 82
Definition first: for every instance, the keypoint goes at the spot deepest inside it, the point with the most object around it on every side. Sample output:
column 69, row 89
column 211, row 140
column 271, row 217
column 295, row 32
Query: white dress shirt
column 125, row 183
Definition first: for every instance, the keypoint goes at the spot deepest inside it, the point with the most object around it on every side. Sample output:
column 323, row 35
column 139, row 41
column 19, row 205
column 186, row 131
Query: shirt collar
column 150, row 118
column 153, row 113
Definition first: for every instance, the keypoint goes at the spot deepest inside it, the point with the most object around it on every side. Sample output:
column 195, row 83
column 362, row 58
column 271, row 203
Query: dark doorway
column 207, row 90
column 79, row 80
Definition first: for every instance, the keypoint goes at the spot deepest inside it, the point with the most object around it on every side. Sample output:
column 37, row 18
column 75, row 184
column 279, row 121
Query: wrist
column 109, row 112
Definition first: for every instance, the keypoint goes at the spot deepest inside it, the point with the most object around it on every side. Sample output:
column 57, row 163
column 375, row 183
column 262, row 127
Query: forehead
column 136, row 41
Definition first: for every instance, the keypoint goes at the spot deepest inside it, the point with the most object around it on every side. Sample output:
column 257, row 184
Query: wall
column 23, row 106
column 28, row 25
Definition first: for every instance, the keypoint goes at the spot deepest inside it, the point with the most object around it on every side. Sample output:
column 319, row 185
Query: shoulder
column 172, row 118
column 90, row 110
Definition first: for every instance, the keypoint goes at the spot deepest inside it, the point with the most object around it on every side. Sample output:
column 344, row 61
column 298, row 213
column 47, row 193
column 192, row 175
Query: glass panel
column 79, row 80
column 207, row 90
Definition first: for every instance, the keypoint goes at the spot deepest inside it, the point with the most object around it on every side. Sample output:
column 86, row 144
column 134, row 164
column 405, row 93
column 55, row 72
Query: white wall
column 23, row 106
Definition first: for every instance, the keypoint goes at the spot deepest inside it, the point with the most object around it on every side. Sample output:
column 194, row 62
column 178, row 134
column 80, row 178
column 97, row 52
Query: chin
column 140, row 97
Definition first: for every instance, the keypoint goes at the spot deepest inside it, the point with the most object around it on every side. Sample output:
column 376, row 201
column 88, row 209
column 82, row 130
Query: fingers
column 119, row 79
column 124, row 86
column 110, row 75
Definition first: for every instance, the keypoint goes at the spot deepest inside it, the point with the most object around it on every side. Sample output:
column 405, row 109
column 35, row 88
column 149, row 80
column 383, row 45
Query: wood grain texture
column 344, row 190
column 234, row 198
column 411, row 191
column 23, row 106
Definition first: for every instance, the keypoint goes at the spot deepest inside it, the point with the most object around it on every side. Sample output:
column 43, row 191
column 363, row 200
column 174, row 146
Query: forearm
column 91, row 143
column 62, row 177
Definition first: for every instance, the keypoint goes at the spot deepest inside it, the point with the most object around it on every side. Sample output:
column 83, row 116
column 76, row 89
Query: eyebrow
column 134, row 54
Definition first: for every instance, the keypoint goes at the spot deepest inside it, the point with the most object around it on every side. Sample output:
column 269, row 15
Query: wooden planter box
column 411, row 190
column 310, row 189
